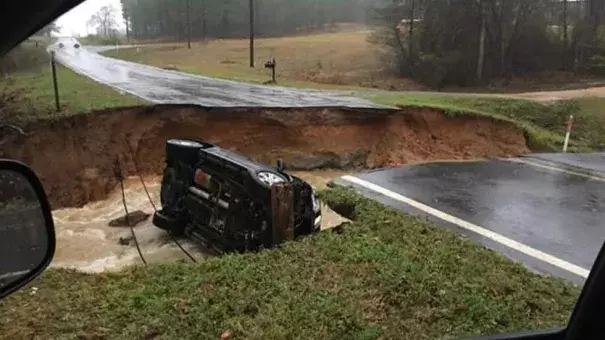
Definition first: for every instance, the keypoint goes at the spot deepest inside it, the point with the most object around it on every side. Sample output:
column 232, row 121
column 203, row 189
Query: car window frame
column 34, row 181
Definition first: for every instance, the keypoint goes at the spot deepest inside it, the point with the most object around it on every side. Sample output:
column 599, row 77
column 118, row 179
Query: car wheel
column 172, row 189
column 184, row 150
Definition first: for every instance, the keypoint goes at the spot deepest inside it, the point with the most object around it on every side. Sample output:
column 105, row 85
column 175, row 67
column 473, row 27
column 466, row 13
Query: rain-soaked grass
column 31, row 94
column 543, row 122
column 387, row 275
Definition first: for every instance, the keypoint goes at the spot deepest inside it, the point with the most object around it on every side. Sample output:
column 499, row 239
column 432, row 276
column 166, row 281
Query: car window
column 444, row 166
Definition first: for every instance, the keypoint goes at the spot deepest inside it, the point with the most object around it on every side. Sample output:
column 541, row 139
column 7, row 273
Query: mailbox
column 271, row 64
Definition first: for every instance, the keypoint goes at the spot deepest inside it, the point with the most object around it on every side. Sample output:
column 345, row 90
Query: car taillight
column 201, row 178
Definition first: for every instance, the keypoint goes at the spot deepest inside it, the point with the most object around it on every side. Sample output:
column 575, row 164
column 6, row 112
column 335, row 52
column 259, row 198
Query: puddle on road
column 87, row 243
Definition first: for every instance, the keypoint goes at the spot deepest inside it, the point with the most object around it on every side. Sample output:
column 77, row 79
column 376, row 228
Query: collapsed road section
column 75, row 159
column 74, row 156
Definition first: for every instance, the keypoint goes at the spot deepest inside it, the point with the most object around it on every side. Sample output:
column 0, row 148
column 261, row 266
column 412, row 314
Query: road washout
column 75, row 158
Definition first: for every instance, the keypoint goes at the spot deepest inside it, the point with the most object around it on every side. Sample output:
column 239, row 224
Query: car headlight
column 269, row 178
column 315, row 202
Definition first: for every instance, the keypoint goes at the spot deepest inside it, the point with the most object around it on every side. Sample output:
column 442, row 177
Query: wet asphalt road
column 558, row 212
column 170, row 87
column 590, row 162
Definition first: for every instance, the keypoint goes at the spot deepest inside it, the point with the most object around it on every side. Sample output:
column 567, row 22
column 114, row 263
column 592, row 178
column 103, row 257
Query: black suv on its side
column 215, row 196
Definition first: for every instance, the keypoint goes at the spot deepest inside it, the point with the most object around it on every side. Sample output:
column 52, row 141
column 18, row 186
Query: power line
column 136, row 168
column 120, row 177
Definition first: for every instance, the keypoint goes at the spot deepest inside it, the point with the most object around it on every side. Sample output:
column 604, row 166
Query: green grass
column 33, row 94
column 97, row 40
column 258, row 75
column 543, row 122
column 388, row 275
column 325, row 60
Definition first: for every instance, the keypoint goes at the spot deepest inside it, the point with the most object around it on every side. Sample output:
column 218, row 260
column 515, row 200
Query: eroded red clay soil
column 75, row 156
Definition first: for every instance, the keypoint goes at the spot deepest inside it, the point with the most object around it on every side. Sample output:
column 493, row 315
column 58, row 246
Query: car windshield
column 447, row 174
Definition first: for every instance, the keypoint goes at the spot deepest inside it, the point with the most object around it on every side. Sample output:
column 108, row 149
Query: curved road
column 546, row 210
column 170, row 87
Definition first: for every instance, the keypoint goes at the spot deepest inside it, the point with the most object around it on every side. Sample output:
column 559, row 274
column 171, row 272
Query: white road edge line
column 520, row 247
column 553, row 168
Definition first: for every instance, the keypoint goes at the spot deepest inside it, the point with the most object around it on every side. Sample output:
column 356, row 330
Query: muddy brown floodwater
column 75, row 157
column 86, row 242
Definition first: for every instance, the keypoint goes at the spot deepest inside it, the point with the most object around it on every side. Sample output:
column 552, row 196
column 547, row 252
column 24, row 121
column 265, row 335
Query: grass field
column 329, row 60
column 387, row 275
column 338, row 59
column 31, row 95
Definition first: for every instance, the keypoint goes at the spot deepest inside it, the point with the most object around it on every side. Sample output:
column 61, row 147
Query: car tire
column 172, row 189
column 186, row 151
column 171, row 193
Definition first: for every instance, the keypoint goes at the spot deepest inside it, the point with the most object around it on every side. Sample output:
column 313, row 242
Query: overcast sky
column 74, row 21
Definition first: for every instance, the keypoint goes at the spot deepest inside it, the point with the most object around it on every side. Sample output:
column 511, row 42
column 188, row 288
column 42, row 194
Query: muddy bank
column 75, row 156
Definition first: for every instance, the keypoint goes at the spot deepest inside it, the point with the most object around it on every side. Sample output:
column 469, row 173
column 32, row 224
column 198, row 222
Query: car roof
column 21, row 19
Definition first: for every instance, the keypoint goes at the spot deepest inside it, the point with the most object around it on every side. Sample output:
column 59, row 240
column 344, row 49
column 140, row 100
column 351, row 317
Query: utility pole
column 481, row 57
column 411, row 40
column 188, row 26
column 53, row 70
column 127, row 30
column 251, row 7
column 565, row 37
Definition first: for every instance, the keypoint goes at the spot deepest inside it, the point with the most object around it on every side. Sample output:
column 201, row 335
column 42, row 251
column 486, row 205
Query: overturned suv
column 223, row 199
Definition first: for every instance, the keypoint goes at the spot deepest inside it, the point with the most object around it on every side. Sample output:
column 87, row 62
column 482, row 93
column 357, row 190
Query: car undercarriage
column 223, row 199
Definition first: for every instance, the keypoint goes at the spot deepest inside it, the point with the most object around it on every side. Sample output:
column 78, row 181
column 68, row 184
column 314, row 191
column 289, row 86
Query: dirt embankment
column 75, row 156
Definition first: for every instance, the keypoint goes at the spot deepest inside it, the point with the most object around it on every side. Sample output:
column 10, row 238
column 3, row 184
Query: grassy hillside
column 543, row 122
column 387, row 275
column 343, row 58
column 327, row 60
column 30, row 94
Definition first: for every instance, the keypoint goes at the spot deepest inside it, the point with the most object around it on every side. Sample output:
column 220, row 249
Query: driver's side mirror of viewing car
column 27, row 232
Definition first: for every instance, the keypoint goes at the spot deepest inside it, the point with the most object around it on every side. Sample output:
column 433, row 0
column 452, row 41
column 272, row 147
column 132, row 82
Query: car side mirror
column 27, row 232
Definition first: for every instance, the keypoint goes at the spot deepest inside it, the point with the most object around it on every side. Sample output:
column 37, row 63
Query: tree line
column 439, row 42
column 230, row 18
column 466, row 42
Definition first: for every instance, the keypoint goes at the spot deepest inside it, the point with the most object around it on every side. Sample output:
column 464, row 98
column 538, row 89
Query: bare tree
column 104, row 21
column 49, row 29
